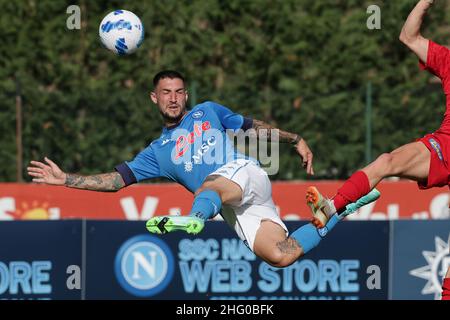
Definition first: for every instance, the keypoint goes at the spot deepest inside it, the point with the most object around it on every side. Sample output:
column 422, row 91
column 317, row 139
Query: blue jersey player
column 195, row 151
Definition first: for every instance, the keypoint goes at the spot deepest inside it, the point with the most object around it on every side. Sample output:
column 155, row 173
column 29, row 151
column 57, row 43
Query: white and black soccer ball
column 121, row 31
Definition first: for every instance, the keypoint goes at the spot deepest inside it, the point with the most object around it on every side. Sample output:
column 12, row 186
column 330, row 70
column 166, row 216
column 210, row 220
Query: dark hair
column 166, row 74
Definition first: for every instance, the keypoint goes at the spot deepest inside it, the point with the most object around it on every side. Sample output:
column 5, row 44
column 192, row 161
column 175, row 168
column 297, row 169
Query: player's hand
column 307, row 156
column 48, row 173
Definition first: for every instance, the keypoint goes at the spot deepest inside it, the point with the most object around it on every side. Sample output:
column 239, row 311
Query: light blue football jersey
column 188, row 152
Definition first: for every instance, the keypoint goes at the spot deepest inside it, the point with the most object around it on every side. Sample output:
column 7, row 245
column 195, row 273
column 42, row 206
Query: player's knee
column 384, row 163
column 199, row 190
column 207, row 186
column 229, row 191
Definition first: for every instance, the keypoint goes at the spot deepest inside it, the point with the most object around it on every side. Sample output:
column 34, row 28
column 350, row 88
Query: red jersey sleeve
column 438, row 63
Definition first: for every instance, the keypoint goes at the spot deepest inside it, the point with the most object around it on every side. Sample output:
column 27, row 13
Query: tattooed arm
column 266, row 131
column 50, row 173
column 100, row 182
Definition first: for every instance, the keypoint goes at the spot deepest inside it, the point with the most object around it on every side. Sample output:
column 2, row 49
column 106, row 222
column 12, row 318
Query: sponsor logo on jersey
column 185, row 141
column 437, row 148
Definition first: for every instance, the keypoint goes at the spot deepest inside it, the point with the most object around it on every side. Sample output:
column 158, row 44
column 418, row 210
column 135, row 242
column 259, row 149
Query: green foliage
column 300, row 65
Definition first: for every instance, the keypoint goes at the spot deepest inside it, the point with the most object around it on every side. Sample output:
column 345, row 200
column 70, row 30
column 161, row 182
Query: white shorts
column 256, row 204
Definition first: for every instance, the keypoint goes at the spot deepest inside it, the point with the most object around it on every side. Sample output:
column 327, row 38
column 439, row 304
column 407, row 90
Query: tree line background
column 300, row 65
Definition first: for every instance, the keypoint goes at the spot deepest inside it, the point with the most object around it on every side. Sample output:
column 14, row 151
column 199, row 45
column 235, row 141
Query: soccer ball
column 121, row 31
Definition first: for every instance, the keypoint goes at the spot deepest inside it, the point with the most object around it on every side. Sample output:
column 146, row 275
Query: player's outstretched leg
column 309, row 235
column 323, row 209
column 412, row 161
column 206, row 205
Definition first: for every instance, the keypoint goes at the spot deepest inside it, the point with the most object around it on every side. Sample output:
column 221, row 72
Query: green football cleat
column 166, row 224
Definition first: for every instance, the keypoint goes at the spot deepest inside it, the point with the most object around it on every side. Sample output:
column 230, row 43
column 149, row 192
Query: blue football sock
column 206, row 205
column 308, row 236
column 332, row 222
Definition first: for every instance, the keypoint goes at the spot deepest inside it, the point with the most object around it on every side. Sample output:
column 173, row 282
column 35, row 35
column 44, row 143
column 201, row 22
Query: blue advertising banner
column 123, row 261
column 420, row 258
column 40, row 260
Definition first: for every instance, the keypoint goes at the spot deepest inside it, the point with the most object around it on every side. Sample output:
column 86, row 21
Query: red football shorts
column 439, row 146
